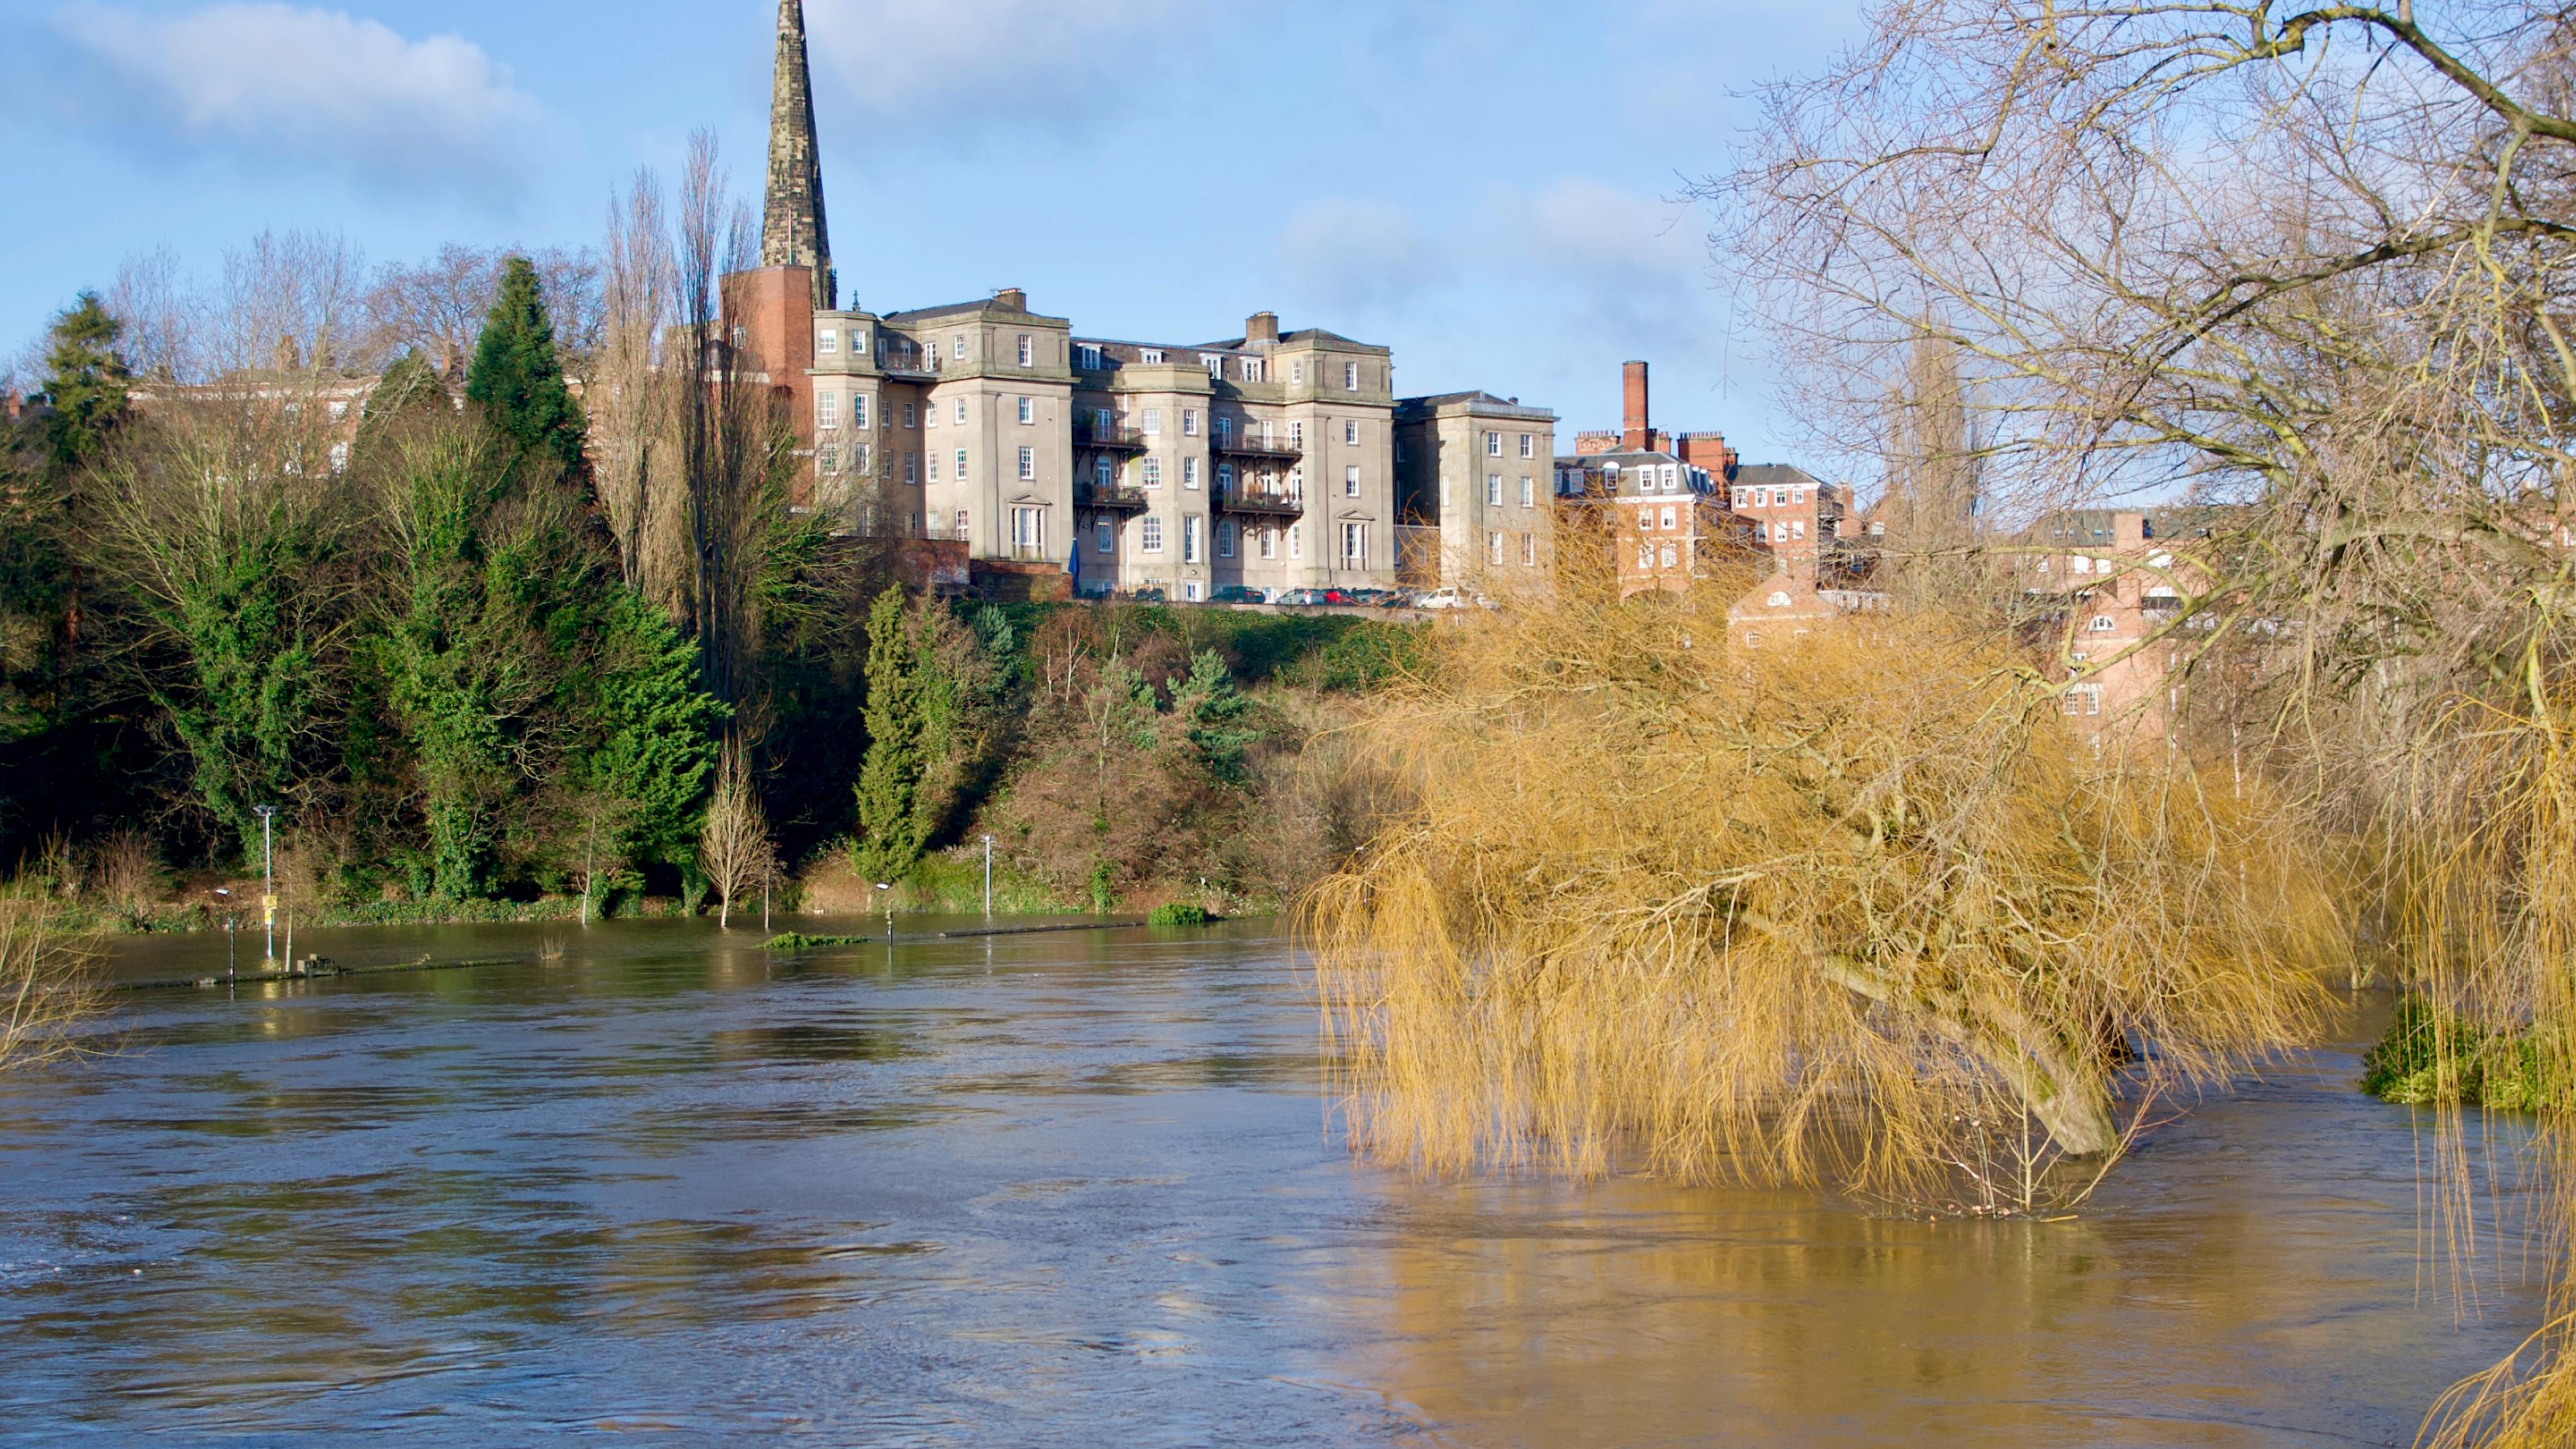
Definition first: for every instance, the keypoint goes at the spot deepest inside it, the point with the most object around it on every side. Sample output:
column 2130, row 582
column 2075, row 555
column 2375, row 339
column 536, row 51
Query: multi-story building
column 1794, row 516
column 2108, row 584
column 1474, row 491
column 1666, row 522
column 1080, row 463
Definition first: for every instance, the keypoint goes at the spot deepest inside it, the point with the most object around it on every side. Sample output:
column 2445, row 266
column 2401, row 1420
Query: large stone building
column 1075, row 462
column 1475, row 492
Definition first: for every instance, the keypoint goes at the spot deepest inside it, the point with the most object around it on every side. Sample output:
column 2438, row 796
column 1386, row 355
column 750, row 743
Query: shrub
column 1178, row 913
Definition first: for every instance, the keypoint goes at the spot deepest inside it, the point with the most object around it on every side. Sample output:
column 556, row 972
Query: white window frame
column 1152, row 539
column 1529, row 491
column 1493, row 490
column 1189, row 422
column 1028, row 464
column 1529, row 446
column 859, row 410
column 1296, row 540
column 961, row 465
column 1104, row 536
column 1153, row 473
column 1153, row 423
column 1089, row 353
column 1192, row 531
column 911, row 415
column 960, row 419
column 1493, row 445
column 1350, row 432
column 827, row 409
column 1225, row 538
column 960, row 346
column 1189, row 472
column 1028, row 351
column 1028, row 411
column 1149, row 355
column 1350, row 377
column 1354, row 545
column 1351, row 480
column 827, row 342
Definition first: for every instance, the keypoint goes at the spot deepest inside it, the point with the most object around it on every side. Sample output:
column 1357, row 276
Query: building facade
column 1474, row 492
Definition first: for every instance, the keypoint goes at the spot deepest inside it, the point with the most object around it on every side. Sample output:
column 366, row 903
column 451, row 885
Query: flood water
column 1081, row 1189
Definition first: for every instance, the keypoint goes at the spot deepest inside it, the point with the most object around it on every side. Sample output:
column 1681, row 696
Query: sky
column 1493, row 189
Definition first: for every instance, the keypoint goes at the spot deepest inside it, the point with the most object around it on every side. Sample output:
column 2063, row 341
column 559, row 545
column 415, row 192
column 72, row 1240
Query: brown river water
column 1083, row 1189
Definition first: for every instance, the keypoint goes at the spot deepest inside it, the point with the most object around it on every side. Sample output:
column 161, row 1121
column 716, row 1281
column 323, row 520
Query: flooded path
column 1080, row 1189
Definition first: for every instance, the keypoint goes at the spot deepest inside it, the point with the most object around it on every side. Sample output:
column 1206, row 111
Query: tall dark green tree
column 891, row 830
column 516, row 378
column 85, row 381
column 658, row 733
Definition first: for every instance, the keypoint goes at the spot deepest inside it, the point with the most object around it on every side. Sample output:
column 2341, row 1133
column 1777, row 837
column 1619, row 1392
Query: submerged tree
column 891, row 835
column 735, row 850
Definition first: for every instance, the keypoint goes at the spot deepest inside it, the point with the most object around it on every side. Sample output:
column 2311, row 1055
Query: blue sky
column 1488, row 188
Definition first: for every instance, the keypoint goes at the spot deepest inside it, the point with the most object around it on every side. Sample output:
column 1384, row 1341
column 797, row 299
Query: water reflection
column 1074, row 1189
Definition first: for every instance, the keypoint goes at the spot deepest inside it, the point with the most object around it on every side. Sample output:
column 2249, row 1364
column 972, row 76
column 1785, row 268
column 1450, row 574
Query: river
column 1081, row 1189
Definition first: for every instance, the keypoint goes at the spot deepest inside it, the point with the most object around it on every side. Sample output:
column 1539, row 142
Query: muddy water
column 1080, row 1189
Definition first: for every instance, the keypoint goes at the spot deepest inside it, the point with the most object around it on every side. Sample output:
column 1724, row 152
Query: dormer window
column 1090, row 353
column 1215, row 366
column 828, row 341
column 2104, row 624
column 1152, row 356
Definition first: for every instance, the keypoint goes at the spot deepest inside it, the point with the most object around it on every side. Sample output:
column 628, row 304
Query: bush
column 2430, row 1057
column 1178, row 913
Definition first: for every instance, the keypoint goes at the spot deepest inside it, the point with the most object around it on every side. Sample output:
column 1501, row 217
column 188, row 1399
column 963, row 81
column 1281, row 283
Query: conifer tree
column 517, row 379
column 658, row 732
column 84, row 380
column 890, row 823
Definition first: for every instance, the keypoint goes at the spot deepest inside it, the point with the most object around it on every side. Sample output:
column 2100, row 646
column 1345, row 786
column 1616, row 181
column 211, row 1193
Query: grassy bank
column 2432, row 1057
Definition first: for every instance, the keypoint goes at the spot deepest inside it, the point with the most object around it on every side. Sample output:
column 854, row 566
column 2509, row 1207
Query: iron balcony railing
column 1254, row 498
column 1115, row 496
column 1127, row 440
column 1255, row 448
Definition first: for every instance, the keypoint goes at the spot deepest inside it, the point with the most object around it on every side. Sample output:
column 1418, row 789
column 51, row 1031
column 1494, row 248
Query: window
column 910, row 418
column 1089, row 352
column 1028, row 352
column 1351, row 433
column 2082, row 699
column 1493, row 445
column 1215, row 366
column 1192, row 591
column 1153, row 422
column 339, row 455
column 961, row 465
column 1529, row 550
column 1225, row 538
column 1190, row 538
column 1028, row 463
column 1529, row 446
column 1296, row 540
column 858, row 410
column 1668, row 555
column 1350, row 377
column 1645, row 519
column 1738, row 498
column 1670, row 482
column 1104, row 474
column 1189, row 472
column 1251, row 369
column 1225, row 432
column 1494, row 547
column 1225, row 477
column 1189, row 422
column 2081, row 565
column 1028, row 410
column 828, row 341
column 1297, row 372
column 340, row 409
column 1797, row 496
column 1529, row 491
column 1645, row 556
column 965, row 521
column 1797, row 528
column 934, row 467
column 1105, row 536
column 1153, row 472
column 1270, row 543
column 960, row 347
column 1778, row 600
column 960, row 419
column 827, row 459
column 1493, row 490
column 1028, row 531
column 912, row 468
column 1351, row 481
column 1149, row 354
column 1153, row 539
column 2103, row 624
column 859, row 458
column 1669, row 520
column 1296, row 435
column 827, row 409
column 1100, row 422
column 1354, row 545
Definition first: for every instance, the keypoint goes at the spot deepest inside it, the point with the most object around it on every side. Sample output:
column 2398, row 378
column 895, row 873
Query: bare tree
column 633, row 400
column 48, row 989
column 438, row 306
column 735, row 849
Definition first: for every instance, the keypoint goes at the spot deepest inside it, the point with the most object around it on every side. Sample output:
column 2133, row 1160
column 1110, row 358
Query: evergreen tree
column 516, row 378
column 410, row 392
column 891, row 834
column 1215, row 718
column 658, row 740
column 84, row 381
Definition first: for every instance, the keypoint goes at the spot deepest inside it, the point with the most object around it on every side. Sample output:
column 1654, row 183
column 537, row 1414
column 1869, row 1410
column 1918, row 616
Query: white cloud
column 1365, row 254
column 1585, row 226
column 964, row 62
column 312, row 84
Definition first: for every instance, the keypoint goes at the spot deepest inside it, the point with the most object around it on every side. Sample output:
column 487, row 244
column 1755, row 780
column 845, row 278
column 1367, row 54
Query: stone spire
column 792, row 233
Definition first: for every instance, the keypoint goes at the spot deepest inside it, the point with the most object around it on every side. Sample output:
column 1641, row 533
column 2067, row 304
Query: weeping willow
column 1859, row 907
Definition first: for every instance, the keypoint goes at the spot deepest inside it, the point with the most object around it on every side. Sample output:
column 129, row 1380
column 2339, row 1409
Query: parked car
column 1239, row 594
column 1443, row 599
column 1146, row 596
column 1311, row 596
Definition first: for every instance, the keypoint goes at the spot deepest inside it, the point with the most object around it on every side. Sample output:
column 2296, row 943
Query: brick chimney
column 1012, row 299
column 1636, row 434
column 1261, row 327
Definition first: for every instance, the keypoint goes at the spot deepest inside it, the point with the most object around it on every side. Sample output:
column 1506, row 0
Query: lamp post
column 988, row 875
column 268, row 873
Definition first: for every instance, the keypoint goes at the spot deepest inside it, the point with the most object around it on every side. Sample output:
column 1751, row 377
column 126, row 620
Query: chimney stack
column 1636, row 434
column 1262, row 327
column 1012, row 298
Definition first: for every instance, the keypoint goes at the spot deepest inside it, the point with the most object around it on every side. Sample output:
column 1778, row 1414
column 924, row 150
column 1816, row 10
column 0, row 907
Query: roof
column 1478, row 401
column 1619, row 459
column 1757, row 474
column 987, row 306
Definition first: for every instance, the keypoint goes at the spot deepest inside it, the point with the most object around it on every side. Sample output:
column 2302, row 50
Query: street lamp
column 268, row 871
column 988, row 877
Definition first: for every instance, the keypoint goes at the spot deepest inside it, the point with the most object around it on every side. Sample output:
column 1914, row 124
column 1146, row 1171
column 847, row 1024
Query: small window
column 858, row 410
column 1149, row 354
column 1225, row 538
column 1190, row 539
column 1251, row 369
column 1100, row 422
column 1645, row 556
column 1028, row 463
column 961, row 465
column 960, row 419
column 1670, row 521
column 1777, row 600
column 1089, row 352
column 1350, row 377
column 1105, row 536
column 912, row 468
column 827, row 459
column 1270, row 543
column 1354, row 545
column 339, row 453
column 1189, row 472
column 1225, row 432
column 827, row 409
column 1028, row 410
column 1189, row 422
column 1493, row 490
column 1296, row 435
column 1028, row 352
column 1225, row 475
column 1297, row 372
column 1493, row 445
column 1152, row 541
column 2104, row 624
column 1215, row 366
column 1529, row 492
column 1668, row 555
column 911, row 416
column 1104, row 474
column 1153, row 472
column 1192, row 591
column 1351, row 433
column 1529, row 550
column 1645, row 519
column 1153, row 422
column 828, row 341
column 960, row 345
column 1797, row 528
column 934, row 467
column 965, row 521
column 1351, row 481
column 1296, row 540
column 1529, row 446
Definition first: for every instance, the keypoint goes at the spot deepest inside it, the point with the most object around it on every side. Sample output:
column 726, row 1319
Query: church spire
column 792, row 233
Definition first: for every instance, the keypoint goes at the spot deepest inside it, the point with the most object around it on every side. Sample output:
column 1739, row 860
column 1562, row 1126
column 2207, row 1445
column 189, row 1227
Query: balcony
column 1225, row 447
column 1109, row 440
column 1274, row 502
column 1115, row 498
